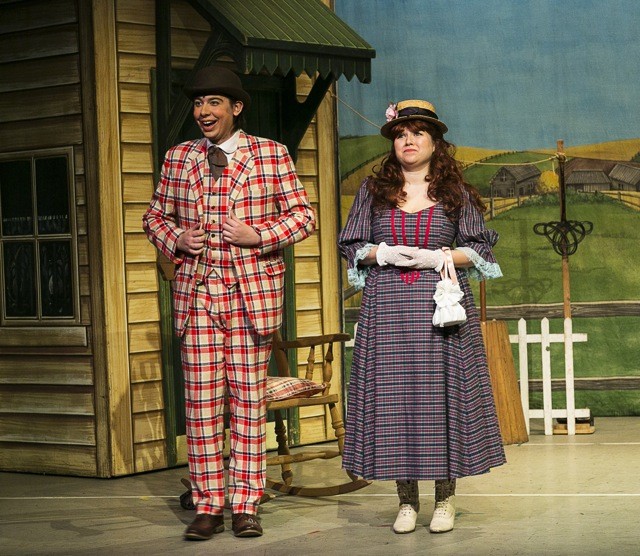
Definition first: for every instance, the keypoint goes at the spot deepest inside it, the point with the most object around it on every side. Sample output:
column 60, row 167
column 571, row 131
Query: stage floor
column 557, row 495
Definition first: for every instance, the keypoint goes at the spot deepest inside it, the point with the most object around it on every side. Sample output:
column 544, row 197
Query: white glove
column 393, row 254
column 424, row 258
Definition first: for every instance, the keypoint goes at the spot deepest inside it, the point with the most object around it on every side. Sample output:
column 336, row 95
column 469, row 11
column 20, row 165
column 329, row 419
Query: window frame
column 39, row 320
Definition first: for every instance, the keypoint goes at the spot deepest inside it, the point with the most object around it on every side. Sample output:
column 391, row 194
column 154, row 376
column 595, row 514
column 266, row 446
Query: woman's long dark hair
column 446, row 185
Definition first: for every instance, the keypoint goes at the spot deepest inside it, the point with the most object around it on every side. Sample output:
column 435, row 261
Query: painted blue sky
column 505, row 74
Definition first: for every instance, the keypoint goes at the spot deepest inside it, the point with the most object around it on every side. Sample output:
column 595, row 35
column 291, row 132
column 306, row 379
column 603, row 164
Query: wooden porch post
column 109, row 246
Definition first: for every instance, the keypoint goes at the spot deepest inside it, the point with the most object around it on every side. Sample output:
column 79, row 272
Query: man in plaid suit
column 224, row 208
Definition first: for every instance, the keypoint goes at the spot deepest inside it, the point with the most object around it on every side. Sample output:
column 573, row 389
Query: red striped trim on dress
column 410, row 276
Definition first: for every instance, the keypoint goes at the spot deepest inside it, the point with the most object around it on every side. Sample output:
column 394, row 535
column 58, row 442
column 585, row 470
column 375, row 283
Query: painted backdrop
column 510, row 79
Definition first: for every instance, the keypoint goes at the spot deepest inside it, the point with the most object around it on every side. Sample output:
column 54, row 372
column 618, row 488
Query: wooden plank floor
column 557, row 495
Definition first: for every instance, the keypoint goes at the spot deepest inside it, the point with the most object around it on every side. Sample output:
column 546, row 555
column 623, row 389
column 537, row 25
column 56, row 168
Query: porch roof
column 290, row 35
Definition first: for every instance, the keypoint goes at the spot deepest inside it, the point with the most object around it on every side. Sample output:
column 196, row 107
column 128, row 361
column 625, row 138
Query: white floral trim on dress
column 357, row 275
column 481, row 270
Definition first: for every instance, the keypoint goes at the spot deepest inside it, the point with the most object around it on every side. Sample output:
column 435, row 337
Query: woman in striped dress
column 420, row 405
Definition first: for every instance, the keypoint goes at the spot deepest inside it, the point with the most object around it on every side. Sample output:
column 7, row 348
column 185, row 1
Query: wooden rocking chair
column 318, row 394
column 286, row 392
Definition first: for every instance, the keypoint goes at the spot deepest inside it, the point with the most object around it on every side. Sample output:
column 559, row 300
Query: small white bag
column 448, row 311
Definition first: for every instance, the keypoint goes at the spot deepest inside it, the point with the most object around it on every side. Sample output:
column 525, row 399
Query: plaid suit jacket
column 265, row 193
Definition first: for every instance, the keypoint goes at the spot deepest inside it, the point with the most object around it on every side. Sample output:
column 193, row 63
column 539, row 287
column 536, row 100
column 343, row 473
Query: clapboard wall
column 47, row 386
column 317, row 291
column 87, row 399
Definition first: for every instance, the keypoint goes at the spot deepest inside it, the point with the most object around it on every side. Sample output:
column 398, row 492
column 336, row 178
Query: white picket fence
column 545, row 339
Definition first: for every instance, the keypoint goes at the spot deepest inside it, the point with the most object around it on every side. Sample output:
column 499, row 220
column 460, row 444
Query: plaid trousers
column 221, row 352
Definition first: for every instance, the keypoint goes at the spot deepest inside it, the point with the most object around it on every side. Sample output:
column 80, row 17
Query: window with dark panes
column 37, row 238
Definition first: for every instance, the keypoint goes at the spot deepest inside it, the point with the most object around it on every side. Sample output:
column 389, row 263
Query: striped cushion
column 283, row 387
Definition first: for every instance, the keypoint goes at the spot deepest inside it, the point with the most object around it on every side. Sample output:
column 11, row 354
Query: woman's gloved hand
column 424, row 258
column 395, row 254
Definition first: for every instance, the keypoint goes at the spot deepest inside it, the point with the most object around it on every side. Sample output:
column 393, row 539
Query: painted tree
column 548, row 183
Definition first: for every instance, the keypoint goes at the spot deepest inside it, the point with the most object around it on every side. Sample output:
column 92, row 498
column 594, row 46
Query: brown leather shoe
column 246, row 525
column 204, row 526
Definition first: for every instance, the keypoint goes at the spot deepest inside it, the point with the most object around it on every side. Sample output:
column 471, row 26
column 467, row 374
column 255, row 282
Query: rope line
column 554, row 157
column 353, row 109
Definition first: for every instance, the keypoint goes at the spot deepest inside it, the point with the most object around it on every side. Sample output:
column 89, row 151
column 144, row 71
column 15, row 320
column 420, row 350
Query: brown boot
column 408, row 493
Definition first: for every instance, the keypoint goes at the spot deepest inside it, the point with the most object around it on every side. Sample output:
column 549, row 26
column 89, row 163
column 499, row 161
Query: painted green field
column 355, row 151
column 479, row 175
column 602, row 269
column 599, row 271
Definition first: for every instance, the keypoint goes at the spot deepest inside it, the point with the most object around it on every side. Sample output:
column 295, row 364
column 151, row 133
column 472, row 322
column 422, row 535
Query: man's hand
column 191, row 241
column 236, row 232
